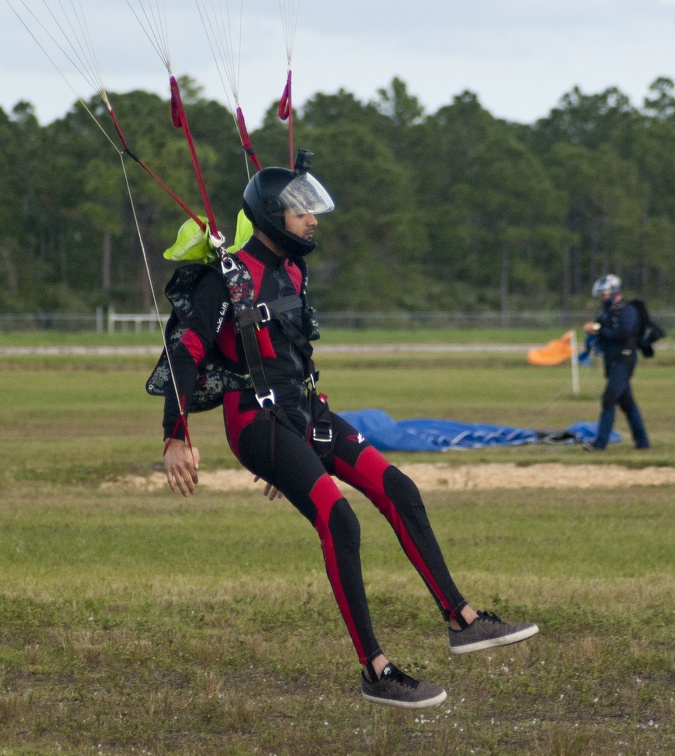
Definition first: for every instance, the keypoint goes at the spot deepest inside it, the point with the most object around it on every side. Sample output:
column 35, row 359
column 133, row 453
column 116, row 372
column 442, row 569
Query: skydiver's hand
column 181, row 465
column 592, row 327
column 270, row 491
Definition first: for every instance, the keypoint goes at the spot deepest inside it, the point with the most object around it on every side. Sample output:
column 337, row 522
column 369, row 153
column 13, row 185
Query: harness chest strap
column 263, row 312
column 249, row 318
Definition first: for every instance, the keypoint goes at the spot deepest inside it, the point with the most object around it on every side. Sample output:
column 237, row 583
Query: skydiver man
column 616, row 329
column 273, row 432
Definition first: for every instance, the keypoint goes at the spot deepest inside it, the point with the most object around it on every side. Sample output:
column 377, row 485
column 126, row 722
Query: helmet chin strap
column 294, row 246
column 301, row 251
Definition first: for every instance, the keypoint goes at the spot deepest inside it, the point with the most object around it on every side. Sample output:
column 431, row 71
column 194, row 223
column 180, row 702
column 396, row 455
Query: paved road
column 319, row 349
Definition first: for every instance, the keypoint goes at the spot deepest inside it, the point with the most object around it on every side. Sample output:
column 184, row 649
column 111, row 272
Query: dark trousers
column 618, row 391
column 280, row 456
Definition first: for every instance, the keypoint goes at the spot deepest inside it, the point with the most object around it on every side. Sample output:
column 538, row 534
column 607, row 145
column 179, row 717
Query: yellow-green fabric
column 242, row 234
column 191, row 243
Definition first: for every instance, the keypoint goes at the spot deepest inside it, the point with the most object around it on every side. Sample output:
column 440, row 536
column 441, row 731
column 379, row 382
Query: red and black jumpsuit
column 283, row 455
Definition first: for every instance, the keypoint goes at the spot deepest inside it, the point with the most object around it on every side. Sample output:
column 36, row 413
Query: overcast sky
column 518, row 56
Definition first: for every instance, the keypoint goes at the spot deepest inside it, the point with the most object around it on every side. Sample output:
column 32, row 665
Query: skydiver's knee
column 626, row 402
column 399, row 487
column 609, row 399
column 344, row 525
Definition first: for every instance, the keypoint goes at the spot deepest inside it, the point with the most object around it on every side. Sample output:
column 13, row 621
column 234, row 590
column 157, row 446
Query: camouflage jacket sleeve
column 198, row 334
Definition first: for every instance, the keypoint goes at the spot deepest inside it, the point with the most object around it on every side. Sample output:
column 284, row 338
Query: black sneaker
column 591, row 447
column 395, row 688
column 488, row 631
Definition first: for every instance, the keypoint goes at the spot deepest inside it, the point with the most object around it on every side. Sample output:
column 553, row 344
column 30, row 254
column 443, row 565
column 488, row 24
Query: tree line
column 450, row 211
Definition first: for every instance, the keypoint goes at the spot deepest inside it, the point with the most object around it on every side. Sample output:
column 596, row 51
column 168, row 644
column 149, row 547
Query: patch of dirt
column 440, row 476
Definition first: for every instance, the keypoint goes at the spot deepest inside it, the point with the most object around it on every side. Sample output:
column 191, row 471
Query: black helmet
column 272, row 191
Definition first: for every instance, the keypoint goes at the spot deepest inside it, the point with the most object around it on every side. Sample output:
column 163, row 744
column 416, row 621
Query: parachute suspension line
column 84, row 62
column 169, row 191
column 182, row 422
column 290, row 10
column 151, row 173
column 80, row 31
column 179, row 120
column 218, row 29
column 58, row 70
column 88, row 70
column 100, row 126
column 155, row 27
column 156, row 30
column 87, row 60
column 142, row 244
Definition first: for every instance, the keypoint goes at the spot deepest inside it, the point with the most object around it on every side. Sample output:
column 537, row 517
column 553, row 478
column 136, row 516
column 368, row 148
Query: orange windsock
column 553, row 353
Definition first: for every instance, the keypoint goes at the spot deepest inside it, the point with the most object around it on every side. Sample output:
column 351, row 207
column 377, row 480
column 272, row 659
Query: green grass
column 87, row 417
column 135, row 622
column 428, row 332
column 152, row 623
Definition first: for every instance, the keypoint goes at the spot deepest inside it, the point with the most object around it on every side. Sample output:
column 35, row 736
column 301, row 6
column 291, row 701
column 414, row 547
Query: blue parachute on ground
column 386, row 434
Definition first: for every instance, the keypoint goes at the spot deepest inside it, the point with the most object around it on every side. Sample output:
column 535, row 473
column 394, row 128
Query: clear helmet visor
column 305, row 195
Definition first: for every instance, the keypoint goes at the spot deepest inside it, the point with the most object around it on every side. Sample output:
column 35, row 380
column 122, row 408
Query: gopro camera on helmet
column 303, row 161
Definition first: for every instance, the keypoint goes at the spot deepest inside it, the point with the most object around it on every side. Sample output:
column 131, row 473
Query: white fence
column 112, row 321
column 140, row 321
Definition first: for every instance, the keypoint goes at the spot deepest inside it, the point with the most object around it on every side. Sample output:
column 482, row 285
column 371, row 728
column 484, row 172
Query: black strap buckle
column 264, row 314
column 266, row 400
column 323, row 435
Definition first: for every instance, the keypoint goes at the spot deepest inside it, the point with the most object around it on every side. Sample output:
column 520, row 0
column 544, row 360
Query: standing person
column 617, row 328
column 284, row 433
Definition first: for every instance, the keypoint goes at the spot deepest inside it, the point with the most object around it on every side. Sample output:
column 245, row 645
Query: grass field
column 135, row 622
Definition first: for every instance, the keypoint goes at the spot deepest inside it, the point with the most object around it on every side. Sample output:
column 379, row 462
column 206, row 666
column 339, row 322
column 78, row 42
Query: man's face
column 300, row 225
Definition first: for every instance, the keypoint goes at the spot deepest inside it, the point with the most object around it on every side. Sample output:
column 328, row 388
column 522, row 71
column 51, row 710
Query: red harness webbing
column 180, row 423
column 135, row 157
column 245, row 139
column 179, row 119
column 286, row 112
